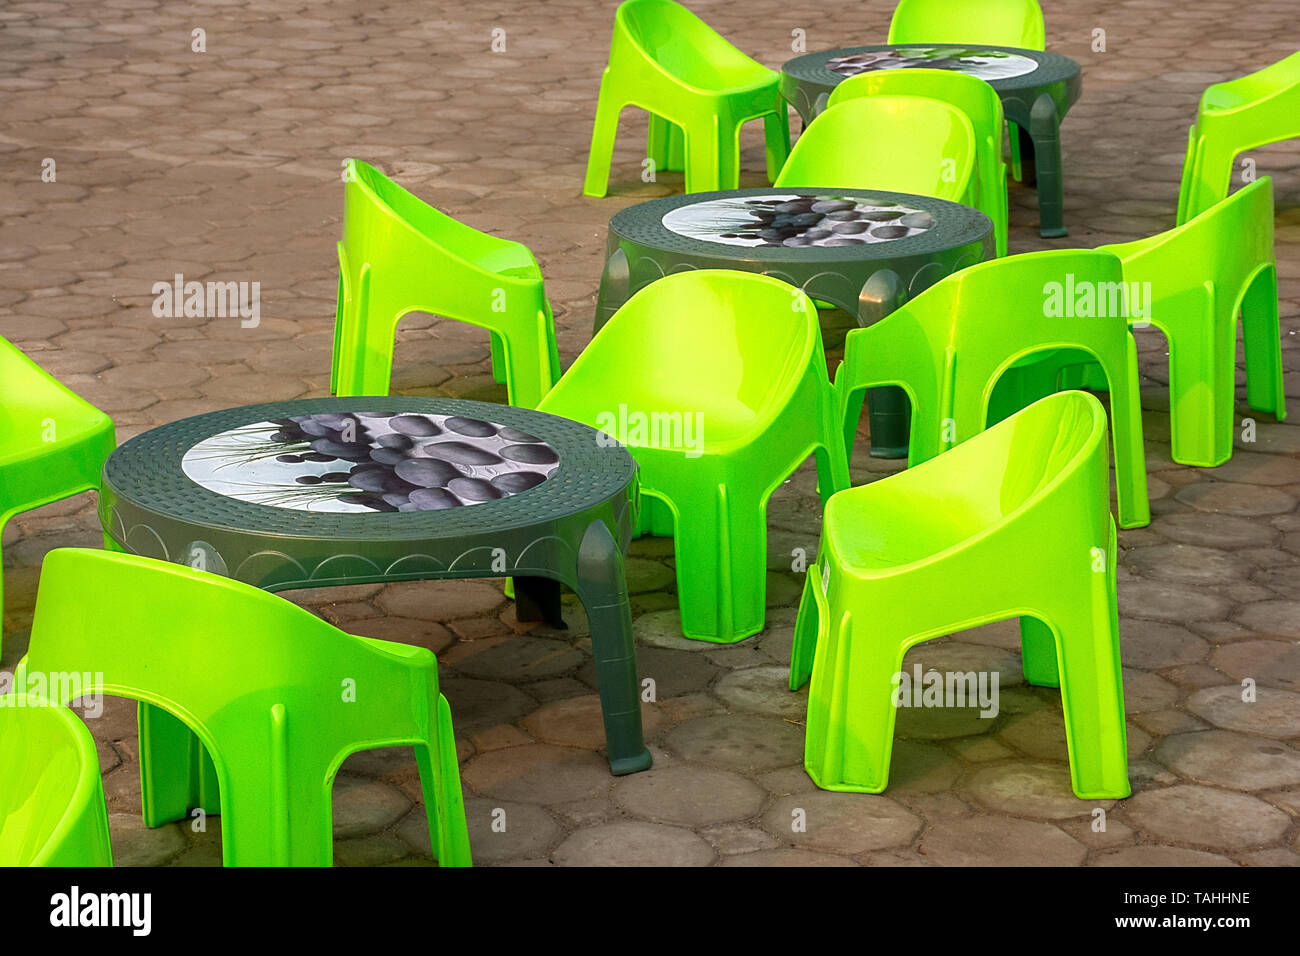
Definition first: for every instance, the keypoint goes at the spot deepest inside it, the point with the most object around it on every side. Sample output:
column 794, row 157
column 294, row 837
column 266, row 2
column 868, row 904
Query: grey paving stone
column 849, row 823
column 758, row 743
column 1000, row 841
column 518, row 658
column 634, row 844
column 763, row 690
column 690, row 796
column 1226, row 759
column 1149, row 855
column 537, row 773
column 362, row 807
column 1274, row 713
column 1205, row 817
column 788, row 857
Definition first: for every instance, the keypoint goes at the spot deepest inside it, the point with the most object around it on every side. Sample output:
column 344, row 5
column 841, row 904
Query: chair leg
column 1092, row 695
column 1261, row 339
column 443, row 802
column 169, row 771
column 849, row 736
column 1126, row 425
column 721, row 550
column 528, row 363
column 602, row 144
column 1038, row 653
column 1202, row 370
column 498, row 360
column 1013, row 138
column 711, row 162
column 776, row 139
column 806, row 627
column 1211, row 177
column 665, row 144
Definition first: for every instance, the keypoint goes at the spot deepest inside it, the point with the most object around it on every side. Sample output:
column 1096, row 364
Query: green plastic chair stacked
column 399, row 255
column 948, row 348
column 1242, row 114
column 954, row 543
column 52, row 810
column 52, row 443
column 698, row 89
column 737, row 360
column 1016, row 23
column 276, row 696
column 906, row 144
column 973, row 97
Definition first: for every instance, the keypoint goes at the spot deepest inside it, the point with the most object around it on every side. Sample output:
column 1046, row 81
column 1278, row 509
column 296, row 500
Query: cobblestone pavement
column 225, row 165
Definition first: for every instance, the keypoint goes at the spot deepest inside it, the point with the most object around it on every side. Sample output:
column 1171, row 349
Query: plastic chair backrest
column 29, row 397
column 384, row 216
column 730, row 342
column 973, row 96
column 49, row 787
column 1246, row 91
column 1002, row 470
column 905, row 144
column 245, row 670
column 683, row 45
column 1016, row 23
column 1227, row 244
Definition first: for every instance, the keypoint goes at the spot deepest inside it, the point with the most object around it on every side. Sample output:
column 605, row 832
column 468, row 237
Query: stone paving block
column 1000, row 841
column 634, row 844
column 758, row 743
column 1149, row 855
column 691, row 796
column 788, row 857
column 848, row 823
column 1207, row 817
column 1228, row 759
column 538, row 773
column 578, row 722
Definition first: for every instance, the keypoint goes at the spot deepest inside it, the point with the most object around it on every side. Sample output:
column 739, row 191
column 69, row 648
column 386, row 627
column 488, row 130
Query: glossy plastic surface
column 1202, row 275
column 948, row 348
column 907, row 144
column 982, row 107
column 52, row 810
column 400, row 255
column 1245, row 113
column 277, row 697
column 52, row 443
column 738, row 358
column 698, row 89
column 955, row 543
column 1011, row 22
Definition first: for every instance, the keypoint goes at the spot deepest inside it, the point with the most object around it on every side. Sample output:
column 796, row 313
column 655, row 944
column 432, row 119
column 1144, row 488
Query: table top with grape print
column 1016, row 74
column 827, row 241
column 378, row 480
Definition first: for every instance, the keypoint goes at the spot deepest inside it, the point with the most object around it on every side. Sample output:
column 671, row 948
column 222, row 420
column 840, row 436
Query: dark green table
column 884, row 248
column 335, row 491
column 1036, row 89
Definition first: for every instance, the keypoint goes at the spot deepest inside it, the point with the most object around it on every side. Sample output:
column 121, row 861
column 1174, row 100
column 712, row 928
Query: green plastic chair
column 742, row 354
column 399, row 255
column 955, row 543
column 1017, row 23
column 52, row 443
column 982, row 107
column 948, row 347
column 277, row 697
column 52, row 810
column 1198, row 278
column 906, row 144
column 1242, row 114
column 698, row 89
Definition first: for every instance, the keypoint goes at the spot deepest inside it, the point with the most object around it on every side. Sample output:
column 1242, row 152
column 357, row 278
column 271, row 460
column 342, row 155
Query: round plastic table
column 863, row 251
column 335, row 491
column 1036, row 89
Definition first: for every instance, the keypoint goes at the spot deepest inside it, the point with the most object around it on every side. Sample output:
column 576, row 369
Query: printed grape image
column 370, row 462
column 797, row 219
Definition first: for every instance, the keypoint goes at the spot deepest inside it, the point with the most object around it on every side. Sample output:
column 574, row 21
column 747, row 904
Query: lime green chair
column 52, row 443
column 735, row 359
column 399, row 255
column 698, row 89
column 276, row 696
column 958, row 542
column 1191, row 283
column 1016, row 23
column 1242, row 114
column 948, row 347
column 52, row 810
column 982, row 107
column 907, row 144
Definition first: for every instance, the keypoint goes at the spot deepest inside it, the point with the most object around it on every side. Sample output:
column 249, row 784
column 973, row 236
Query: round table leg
column 603, row 591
